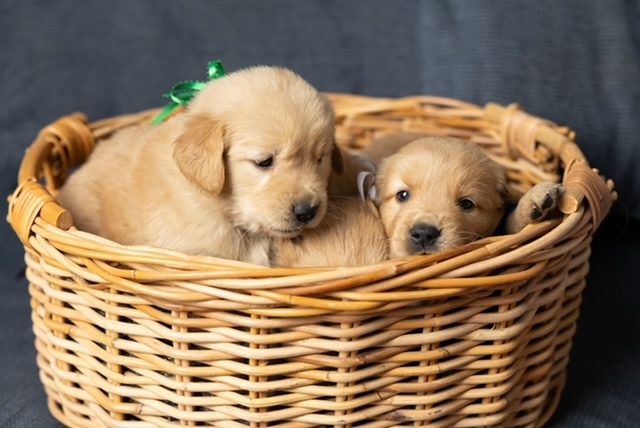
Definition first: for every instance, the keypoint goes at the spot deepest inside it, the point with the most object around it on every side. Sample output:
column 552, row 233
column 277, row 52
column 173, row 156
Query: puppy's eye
column 319, row 161
column 403, row 196
column 466, row 204
column 264, row 163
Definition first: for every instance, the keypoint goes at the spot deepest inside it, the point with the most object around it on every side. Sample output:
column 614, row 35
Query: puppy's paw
column 542, row 201
column 538, row 204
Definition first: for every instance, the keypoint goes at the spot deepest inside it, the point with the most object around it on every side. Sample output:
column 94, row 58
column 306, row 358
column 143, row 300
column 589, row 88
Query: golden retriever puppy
column 430, row 194
column 438, row 193
column 248, row 161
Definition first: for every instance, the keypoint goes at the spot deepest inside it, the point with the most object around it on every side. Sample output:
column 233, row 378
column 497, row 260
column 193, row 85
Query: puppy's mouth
column 422, row 250
column 425, row 252
column 286, row 233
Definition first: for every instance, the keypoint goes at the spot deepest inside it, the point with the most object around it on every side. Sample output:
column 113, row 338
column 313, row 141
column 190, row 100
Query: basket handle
column 60, row 146
column 522, row 134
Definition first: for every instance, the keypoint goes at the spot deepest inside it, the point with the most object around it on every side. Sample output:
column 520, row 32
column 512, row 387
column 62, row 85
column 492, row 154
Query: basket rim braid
column 137, row 336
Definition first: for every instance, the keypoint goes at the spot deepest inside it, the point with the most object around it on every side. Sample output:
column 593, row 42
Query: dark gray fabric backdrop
column 574, row 62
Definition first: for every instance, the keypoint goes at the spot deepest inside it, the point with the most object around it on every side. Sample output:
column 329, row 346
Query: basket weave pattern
column 477, row 336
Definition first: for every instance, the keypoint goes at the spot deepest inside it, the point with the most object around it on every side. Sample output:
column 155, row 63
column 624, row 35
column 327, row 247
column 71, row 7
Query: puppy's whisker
column 244, row 234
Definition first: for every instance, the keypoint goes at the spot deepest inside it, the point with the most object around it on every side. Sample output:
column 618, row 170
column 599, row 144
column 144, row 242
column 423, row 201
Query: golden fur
column 193, row 183
column 350, row 234
column 389, row 144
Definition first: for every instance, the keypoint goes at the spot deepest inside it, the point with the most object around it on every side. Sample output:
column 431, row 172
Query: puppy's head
column 438, row 193
column 263, row 138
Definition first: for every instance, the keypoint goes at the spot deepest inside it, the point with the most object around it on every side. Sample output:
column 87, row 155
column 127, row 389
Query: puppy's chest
column 257, row 251
column 236, row 244
column 233, row 243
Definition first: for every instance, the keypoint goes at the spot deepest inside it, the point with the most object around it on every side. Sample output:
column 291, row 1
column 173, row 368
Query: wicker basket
column 478, row 336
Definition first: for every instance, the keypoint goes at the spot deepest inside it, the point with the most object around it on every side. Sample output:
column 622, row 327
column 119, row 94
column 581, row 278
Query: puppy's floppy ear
column 336, row 159
column 199, row 150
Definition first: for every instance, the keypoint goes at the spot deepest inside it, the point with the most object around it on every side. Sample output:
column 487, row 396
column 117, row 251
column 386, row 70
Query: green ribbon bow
column 182, row 93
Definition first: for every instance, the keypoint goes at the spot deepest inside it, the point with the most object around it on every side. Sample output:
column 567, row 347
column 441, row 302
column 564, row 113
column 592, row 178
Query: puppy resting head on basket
column 437, row 193
column 249, row 160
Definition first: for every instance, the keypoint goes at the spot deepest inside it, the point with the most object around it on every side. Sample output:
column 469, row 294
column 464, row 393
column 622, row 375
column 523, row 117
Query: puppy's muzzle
column 304, row 213
column 423, row 238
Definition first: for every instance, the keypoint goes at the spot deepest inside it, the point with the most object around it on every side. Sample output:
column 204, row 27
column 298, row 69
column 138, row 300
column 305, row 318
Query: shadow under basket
column 477, row 336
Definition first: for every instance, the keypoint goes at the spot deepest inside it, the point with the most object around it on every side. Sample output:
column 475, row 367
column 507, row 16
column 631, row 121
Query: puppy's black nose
column 424, row 235
column 304, row 213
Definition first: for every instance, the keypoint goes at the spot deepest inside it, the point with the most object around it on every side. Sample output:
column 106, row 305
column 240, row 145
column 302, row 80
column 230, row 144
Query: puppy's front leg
column 539, row 203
